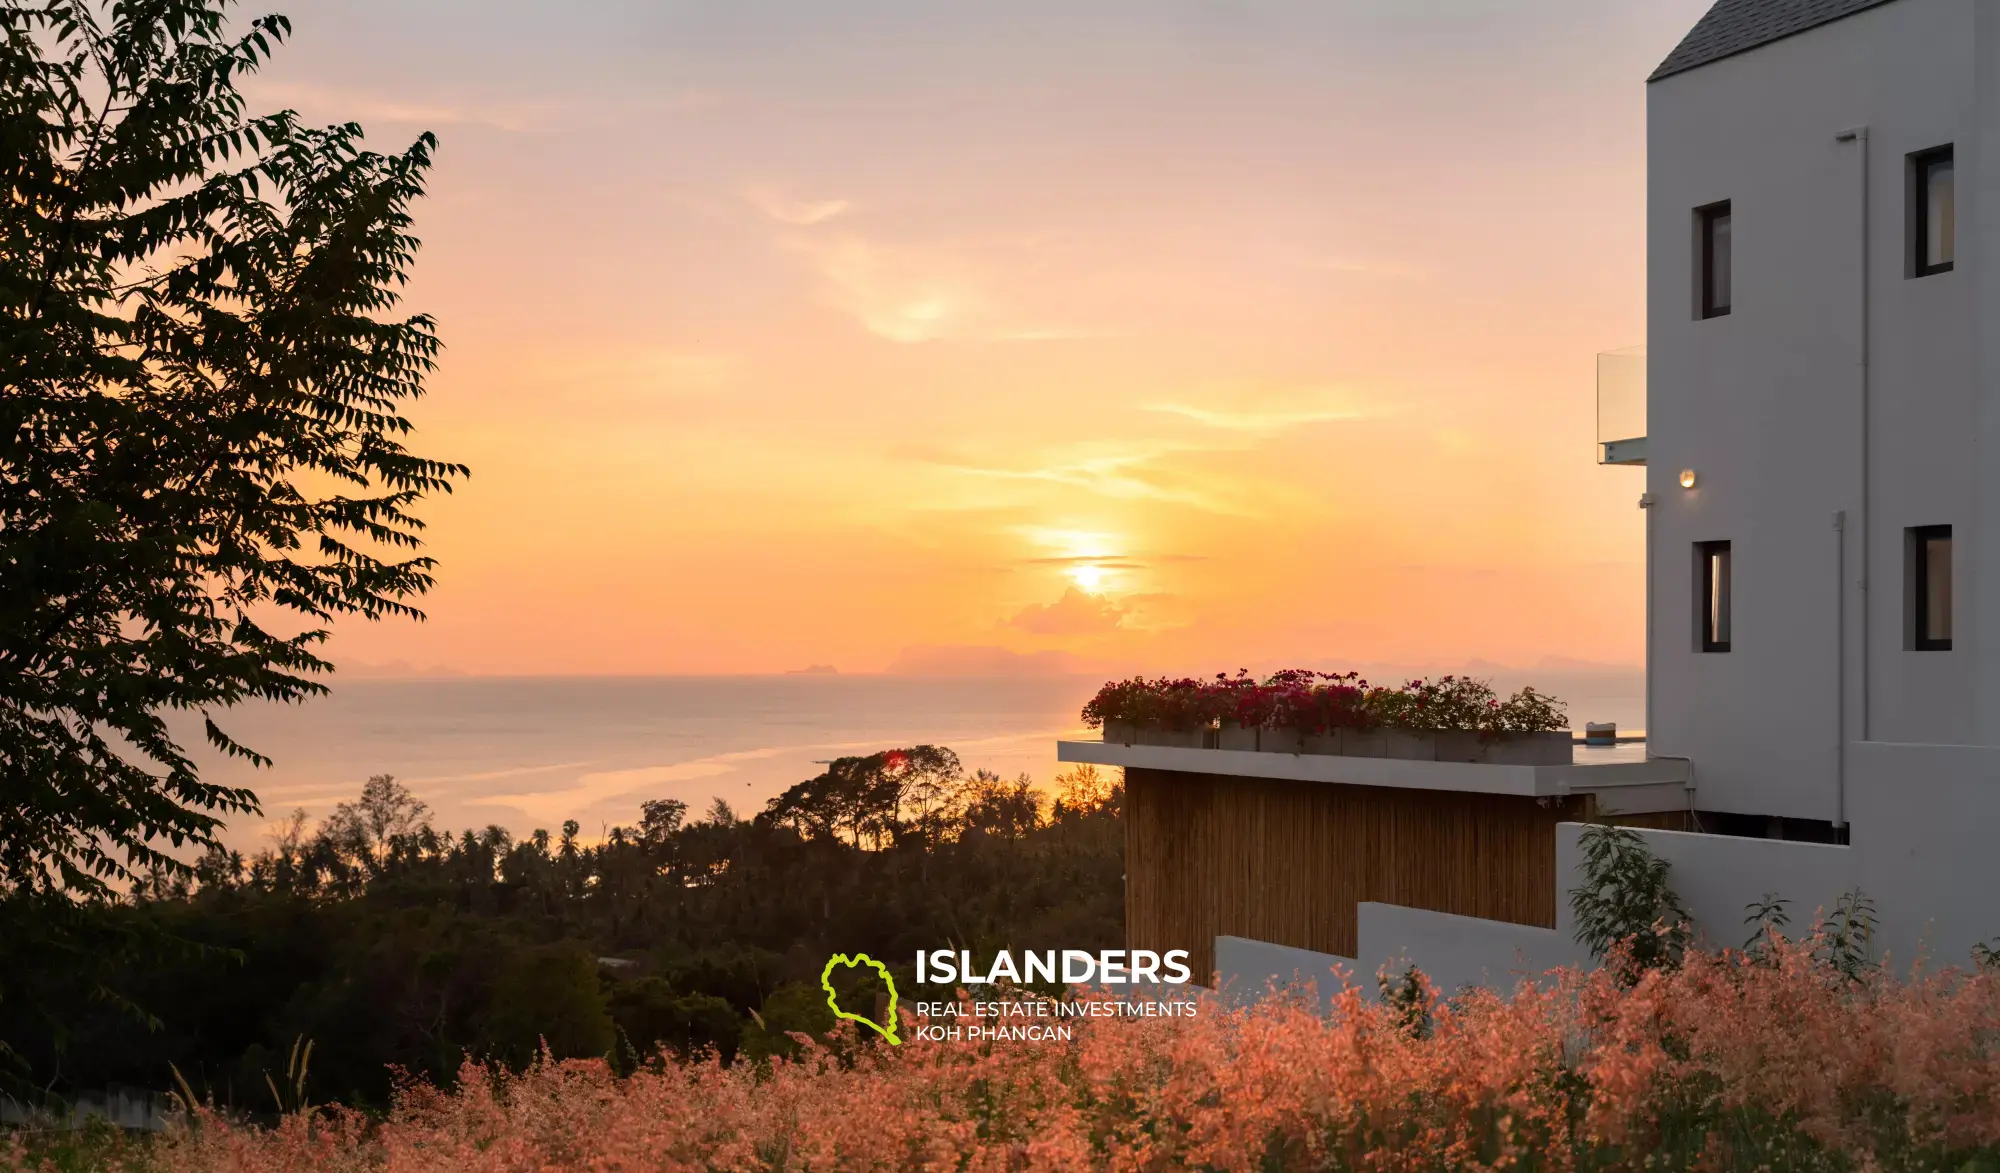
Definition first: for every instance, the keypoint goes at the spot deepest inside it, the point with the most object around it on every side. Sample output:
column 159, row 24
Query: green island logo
column 833, row 1002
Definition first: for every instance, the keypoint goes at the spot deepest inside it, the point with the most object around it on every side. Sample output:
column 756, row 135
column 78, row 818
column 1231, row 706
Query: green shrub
column 547, row 995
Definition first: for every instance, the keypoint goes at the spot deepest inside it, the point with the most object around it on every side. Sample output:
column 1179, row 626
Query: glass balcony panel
column 1621, row 406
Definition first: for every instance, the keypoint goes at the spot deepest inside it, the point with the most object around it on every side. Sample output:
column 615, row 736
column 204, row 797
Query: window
column 1713, row 225
column 1929, row 581
column 1933, row 212
column 1712, row 595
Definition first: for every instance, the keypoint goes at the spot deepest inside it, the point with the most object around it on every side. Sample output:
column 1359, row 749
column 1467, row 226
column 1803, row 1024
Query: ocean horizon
column 528, row 752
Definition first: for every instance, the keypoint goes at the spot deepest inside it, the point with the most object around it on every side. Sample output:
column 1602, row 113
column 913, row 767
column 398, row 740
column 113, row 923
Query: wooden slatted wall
column 1290, row 862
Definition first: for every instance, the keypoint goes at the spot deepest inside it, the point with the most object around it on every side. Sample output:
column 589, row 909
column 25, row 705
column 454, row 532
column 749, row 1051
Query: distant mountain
column 815, row 670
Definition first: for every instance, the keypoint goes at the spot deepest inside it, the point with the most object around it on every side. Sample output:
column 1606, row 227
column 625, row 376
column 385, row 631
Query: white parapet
column 1657, row 784
column 1250, row 970
column 1460, row 951
column 1455, row 952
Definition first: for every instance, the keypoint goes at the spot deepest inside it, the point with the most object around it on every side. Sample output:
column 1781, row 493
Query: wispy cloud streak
column 798, row 213
column 1255, row 421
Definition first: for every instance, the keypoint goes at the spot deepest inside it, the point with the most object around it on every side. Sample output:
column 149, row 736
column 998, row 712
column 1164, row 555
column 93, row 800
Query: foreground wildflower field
column 1773, row 1060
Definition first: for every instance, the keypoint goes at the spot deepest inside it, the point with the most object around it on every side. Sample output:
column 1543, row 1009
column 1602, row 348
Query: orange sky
column 1179, row 334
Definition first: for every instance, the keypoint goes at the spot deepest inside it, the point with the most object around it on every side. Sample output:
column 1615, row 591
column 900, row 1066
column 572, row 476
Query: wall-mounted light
column 1687, row 478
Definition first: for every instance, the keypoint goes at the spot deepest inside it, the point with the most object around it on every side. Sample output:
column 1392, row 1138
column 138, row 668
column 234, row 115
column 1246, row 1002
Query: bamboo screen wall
column 1290, row 862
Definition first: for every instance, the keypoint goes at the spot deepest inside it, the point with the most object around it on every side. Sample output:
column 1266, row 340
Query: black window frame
column 1713, row 627
column 1921, row 165
column 1920, row 583
column 1706, row 219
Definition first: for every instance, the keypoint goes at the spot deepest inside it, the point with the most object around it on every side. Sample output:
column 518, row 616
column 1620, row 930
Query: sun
column 1089, row 577
column 1092, row 560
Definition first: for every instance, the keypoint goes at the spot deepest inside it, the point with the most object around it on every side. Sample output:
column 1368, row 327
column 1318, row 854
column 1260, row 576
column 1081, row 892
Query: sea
column 528, row 753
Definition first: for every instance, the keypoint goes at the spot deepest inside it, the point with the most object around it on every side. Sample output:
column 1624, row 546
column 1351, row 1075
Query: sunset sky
column 1173, row 335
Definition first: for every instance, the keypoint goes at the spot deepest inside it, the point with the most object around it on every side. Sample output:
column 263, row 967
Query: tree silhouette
column 201, row 387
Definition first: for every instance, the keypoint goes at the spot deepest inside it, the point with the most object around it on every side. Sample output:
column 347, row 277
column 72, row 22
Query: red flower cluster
column 1320, row 702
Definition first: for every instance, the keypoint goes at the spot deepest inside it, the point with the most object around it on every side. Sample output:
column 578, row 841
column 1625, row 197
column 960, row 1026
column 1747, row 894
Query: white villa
column 1821, row 446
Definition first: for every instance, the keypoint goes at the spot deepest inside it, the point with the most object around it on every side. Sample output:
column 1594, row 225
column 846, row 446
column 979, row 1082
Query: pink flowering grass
column 1729, row 1062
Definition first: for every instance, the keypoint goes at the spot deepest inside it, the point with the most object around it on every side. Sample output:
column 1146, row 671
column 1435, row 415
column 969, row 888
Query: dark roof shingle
column 1737, row 26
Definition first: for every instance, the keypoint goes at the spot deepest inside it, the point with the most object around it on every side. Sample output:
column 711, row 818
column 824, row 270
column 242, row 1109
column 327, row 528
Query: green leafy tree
column 548, row 996
column 1626, row 912
column 397, row 948
column 651, row 1015
column 202, row 377
column 796, row 1008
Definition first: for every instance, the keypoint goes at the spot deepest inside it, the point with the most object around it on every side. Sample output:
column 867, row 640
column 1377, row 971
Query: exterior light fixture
column 1687, row 478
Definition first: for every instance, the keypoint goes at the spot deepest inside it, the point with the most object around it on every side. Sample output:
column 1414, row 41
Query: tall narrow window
column 1930, row 588
column 1713, row 223
column 1934, row 208
column 1712, row 595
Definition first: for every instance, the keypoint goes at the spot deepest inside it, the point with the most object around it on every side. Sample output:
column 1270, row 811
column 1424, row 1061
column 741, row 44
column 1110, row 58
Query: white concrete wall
column 1765, row 404
column 1460, row 951
column 1718, row 876
column 1979, row 243
column 1926, row 819
column 1453, row 951
column 1249, row 970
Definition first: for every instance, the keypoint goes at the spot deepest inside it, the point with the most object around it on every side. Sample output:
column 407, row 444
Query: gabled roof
column 1738, row 26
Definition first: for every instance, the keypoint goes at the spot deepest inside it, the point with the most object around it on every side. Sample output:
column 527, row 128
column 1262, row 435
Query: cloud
column 1102, row 563
column 975, row 660
column 1256, row 421
column 1076, row 613
column 915, row 294
column 799, row 213
column 361, row 106
column 898, row 294
column 1124, row 476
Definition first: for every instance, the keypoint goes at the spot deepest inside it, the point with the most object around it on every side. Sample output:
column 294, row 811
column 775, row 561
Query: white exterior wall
column 1718, row 877
column 1765, row 404
column 1979, row 245
column 1924, row 817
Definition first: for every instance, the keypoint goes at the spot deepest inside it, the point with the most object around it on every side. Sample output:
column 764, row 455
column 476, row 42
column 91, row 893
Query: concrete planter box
column 1457, row 745
column 1324, row 744
column 1511, row 749
column 1360, row 743
column 1533, row 749
column 1274, row 739
column 1348, row 743
column 1175, row 738
column 1516, row 749
column 1409, row 747
column 1237, row 737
